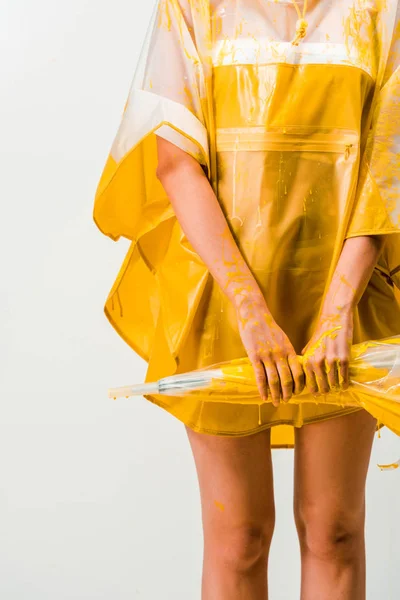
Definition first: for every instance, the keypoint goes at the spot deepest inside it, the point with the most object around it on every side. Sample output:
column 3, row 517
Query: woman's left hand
column 327, row 354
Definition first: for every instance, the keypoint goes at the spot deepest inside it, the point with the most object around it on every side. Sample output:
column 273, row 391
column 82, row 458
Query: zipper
column 258, row 139
column 347, row 151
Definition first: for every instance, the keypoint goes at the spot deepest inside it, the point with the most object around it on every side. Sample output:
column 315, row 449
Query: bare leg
column 238, row 513
column 331, row 463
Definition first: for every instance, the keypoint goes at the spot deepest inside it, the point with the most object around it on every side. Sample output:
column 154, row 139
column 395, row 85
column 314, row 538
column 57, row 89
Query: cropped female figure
column 255, row 172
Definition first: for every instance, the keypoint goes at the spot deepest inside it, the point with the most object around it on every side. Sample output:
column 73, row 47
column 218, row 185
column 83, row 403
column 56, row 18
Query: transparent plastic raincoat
column 294, row 112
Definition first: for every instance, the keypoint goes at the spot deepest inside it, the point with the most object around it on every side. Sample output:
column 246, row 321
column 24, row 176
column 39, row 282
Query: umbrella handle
column 134, row 390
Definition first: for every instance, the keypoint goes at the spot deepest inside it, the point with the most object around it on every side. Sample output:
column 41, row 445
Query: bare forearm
column 327, row 364
column 203, row 222
column 353, row 272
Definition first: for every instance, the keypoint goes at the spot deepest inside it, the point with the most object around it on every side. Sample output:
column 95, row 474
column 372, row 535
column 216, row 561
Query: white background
column 99, row 499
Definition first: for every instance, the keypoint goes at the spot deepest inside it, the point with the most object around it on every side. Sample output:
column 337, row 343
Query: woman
column 255, row 172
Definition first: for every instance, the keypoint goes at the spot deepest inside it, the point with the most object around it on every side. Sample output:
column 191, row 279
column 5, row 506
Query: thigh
column 235, row 479
column 331, row 463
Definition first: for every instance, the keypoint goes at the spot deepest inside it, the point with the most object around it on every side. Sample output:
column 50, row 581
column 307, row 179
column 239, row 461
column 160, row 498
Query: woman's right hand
column 277, row 368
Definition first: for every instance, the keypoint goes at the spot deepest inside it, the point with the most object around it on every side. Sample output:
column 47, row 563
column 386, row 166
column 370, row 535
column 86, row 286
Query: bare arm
column 203, row 222
column 335, row 326
column 353, row 272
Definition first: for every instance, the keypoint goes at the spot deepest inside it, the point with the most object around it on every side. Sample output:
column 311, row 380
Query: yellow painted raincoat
column 294, row 112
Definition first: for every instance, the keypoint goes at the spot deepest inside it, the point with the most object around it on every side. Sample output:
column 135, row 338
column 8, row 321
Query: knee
column 243, row 547
column 331, row 533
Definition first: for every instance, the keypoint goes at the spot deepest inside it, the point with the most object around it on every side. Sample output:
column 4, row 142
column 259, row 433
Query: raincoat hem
column 164, row 111
column 221, row 433
column 372, row 232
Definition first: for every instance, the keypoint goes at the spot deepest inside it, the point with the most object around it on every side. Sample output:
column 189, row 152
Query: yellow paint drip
column 219, row 505
column 389, row 466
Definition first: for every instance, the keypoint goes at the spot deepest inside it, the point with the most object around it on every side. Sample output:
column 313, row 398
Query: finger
column 297, row 373
column 304, row 349
column 321, row 375
column 273, row 382
column 343, row 373
column 285, row 377
column 332, row 373
column 261, row 379
column 311, row 382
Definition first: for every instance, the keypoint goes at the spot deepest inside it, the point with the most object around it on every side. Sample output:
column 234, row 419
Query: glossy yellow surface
column 301, row 145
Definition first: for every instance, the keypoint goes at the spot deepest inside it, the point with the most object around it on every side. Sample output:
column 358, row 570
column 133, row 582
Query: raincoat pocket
column 291, row 139
column 292, row 182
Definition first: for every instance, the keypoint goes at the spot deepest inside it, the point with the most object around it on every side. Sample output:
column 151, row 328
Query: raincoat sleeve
column 376, row 209
column 167, row 98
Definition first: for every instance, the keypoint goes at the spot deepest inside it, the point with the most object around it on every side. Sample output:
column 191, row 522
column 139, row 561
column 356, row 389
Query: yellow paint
column 389, row 466
column 219, row 505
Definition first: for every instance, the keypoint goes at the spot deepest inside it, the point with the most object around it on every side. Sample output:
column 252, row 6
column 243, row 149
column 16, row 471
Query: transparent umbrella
column 374, row 384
